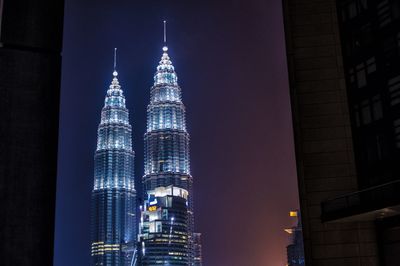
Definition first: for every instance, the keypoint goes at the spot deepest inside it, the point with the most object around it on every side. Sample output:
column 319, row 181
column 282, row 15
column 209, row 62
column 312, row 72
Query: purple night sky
column 231, row 64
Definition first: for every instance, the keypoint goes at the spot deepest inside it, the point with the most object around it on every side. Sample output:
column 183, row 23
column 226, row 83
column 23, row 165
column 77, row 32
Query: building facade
column 30, row 65
column 114, row 225
column 164, row 227
column 167, row 175
column 370, row 40
column 197, row 253
column 323, row 138
column 343, row 59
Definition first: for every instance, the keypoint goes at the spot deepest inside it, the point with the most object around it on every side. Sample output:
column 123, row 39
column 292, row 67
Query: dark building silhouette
column 30, row 71
column 323, row 136
column 344, row 69
column 370, row 39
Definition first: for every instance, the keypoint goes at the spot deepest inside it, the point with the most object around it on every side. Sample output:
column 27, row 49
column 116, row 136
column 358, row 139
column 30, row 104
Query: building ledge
column 365, row 205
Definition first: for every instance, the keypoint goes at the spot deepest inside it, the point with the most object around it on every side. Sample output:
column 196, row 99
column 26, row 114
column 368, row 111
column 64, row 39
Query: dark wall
column 322, row 134
column 30, row 72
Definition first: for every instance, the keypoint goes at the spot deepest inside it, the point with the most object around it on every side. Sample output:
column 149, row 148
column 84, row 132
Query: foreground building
column 343, row 60
column 167, row 214
column 30, row 74
column 114, row 226
column 370, row 41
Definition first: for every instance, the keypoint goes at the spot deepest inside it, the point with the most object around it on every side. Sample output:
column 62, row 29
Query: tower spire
column 113, row 195
column 165, row 48
column 115, row 73
column 165, row 32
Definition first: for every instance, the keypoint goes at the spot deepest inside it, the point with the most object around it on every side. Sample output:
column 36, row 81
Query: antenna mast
column 165, row 32
column 115, row 58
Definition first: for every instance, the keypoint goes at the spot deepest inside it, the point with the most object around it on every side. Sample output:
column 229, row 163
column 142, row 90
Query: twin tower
column 159, row 230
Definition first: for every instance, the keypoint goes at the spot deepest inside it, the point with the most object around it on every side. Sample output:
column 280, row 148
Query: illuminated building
column 164, row 227
column 114, row 223
column 167, row 175
column 295, row 250
column 198, row 259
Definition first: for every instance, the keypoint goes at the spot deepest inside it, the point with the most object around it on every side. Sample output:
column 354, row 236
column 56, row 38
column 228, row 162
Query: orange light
column 293, row 214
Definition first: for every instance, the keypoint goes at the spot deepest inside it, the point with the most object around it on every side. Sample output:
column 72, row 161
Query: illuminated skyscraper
column 198, row 258
column 167, row 215
column 295, row 250
column 164, row 228
column 114, row 197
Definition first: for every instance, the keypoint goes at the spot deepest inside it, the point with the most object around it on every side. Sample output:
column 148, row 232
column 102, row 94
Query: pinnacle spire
column 165, row 31
column 115, row 73
column 165, row 48
column 165, row 70
column 114, row 86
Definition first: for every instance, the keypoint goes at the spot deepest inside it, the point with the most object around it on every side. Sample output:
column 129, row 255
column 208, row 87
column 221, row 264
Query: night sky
column 230, row 59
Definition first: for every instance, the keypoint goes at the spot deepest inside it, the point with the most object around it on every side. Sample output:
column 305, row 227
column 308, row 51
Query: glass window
column 398, row 42
column 344, row 15
column 384, row 16
column 377, row 107
column 379, row 146
column 351, row 73
column 352, row 10
column 357, row 115
column 396, row 127
column 361, row 76
column 366, row 112
column 371, row 65
column 395, row 8
column 398, row 39
column 394, row 90
column 363, row 4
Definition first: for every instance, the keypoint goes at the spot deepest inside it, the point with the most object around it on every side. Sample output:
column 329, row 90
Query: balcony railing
column 362, row 201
